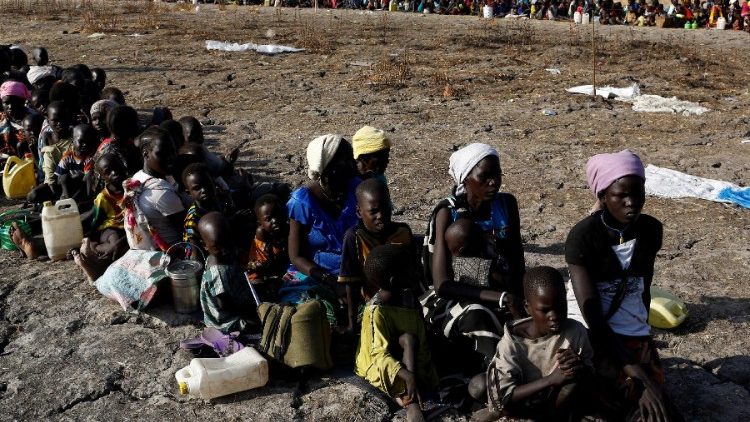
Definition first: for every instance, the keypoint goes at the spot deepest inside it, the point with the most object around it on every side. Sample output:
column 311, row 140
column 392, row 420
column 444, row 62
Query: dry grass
column 311, row 36
column 392, row 71
column 100, row 19
column 42, row 9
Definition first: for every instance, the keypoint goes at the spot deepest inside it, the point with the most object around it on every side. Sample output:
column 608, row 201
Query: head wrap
column 603, row 169
column 368, row 140
column 465, row 159
column 15, row 89
column 102, row 106
column 37, row 73
column 320, row 152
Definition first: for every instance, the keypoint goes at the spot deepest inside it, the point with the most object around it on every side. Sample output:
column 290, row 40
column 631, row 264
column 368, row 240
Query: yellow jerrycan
column 666, row 310
column 18, row 177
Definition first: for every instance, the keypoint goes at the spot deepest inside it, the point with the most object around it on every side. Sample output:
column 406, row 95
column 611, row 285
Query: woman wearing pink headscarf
column 611, row 255
column 13, row 96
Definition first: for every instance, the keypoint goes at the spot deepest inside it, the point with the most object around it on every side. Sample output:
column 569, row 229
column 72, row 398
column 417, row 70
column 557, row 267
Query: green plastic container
column 6, row 219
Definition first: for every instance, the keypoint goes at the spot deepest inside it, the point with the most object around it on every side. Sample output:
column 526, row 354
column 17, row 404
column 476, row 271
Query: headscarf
column 463, row 161
column 368, row 140
column 15, row 89
column 320, row 152
column 102, row 106
column 603, row 169
column 37, row 73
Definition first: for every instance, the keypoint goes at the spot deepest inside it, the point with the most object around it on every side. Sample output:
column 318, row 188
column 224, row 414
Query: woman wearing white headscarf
column 473, row 314
column 320, row 212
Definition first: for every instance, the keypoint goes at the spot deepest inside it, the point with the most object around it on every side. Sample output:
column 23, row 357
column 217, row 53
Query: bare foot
column 414, row 413
column 22, row 242
column 93, row 267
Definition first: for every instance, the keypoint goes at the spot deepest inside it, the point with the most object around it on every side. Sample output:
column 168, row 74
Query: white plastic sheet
column 644, row 103
column 269, row 49
column 668, row 183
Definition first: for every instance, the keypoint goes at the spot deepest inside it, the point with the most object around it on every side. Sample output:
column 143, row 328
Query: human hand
column 569, row 362
column 412, row 392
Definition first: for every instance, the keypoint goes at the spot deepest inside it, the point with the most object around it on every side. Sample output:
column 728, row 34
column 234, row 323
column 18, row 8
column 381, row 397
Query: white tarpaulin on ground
column 607, row 91
column 668, row 183
column 644, row 103
column 269, row 49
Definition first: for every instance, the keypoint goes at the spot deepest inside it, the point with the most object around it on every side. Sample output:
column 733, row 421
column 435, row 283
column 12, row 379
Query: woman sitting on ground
column 154, row 213
column 469, row 315
column 611, row 255
column 320, row 213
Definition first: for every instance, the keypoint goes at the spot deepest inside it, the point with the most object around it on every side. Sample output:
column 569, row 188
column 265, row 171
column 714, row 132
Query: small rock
column 170, row 82
column 182, row 86
column 487, row 128
column 716, row 164
column 65, row 32
column 322, row 73
column 230, row 77
column 551, row 228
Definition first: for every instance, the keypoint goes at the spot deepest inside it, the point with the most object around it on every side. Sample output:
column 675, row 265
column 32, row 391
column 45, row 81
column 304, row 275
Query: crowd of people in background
column 715, row 14
column 154, row 192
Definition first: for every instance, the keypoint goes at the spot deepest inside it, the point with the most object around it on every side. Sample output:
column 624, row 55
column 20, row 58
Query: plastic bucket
column 185, row 282
column 489, row 13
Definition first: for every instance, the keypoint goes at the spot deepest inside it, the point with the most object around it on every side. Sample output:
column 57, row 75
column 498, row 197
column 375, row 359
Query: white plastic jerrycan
column 577, row 18
column 207, row 378
column 61, row 227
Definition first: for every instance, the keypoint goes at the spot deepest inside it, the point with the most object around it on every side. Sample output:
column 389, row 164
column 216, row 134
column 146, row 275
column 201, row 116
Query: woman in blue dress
column 320, row 212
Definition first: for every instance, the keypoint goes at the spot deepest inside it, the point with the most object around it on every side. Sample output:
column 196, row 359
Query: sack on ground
column 296, row 336
column 132, row 279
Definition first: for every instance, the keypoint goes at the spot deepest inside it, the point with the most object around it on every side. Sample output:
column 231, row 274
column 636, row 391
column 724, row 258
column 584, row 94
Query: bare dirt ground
column 435, row 83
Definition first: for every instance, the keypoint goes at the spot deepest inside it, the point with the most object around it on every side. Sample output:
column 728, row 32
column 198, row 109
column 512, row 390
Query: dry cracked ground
column 434, row 83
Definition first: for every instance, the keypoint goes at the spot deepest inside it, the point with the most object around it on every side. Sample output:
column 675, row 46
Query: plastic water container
column 393, row 6
column 585, row 19
column 721, row 23
column 207, row 378
column 666, row 310
column 18, row 177
column 61, row 227
column 488, row 12
column 577, row 18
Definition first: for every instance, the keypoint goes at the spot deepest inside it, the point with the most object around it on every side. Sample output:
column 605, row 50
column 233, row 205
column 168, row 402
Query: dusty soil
column 435, row 83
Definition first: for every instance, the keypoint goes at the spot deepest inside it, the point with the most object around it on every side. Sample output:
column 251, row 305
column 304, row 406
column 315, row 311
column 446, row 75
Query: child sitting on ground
column 200, row 186
column 374, row 228
column 541, row 361
column 99, row 112
column 393, row 354
column 32, row 127
column 105, row 240
column 225, row 295
column 268, row 256
column 113, row 94
column 54, row 143
column 74, row 167
column 372, row 150
column 217, row 165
